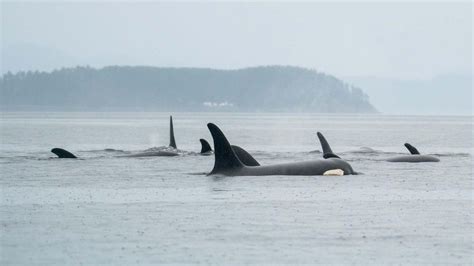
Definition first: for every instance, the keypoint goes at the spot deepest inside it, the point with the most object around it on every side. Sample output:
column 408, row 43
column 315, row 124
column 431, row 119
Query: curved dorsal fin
column 205, row 147
column 61, row 153
column 244, row 156
column 225, row 157
column 172, row 140
column 412, row 149
column 327, row 152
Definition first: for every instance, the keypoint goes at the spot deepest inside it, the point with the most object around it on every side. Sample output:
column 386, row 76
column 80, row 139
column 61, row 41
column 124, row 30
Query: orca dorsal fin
column 172, row 140
column 205, row 147
column 412, row 149
column 327, row 152
column 61, row 153
column 225, row 157
column 244, row 156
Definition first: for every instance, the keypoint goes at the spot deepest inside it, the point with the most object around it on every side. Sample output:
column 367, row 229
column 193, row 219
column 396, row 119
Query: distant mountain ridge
column 141, row 88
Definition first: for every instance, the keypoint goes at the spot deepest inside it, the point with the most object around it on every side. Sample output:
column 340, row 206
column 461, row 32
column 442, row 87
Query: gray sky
column 401, row 40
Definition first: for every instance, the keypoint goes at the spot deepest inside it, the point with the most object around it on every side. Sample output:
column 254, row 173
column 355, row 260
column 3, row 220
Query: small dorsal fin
column 412, row 149
column 225, row 157
column 172, row 140
column 205, row 147
column 244, row 156
column 61, row 153
column 327, row 152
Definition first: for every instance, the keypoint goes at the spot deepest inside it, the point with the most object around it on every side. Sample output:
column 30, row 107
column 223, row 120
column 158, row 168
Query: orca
column 172, row 140
column 171, row 150
column 61, row 153
column 228, row 163
column 414, row 157
column 243, row 155
column 205, row 147
column 327, row 152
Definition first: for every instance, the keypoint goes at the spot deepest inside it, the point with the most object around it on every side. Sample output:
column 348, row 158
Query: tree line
column 140, row 88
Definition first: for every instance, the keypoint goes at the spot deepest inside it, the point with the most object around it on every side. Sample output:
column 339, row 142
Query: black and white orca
column 228, row 163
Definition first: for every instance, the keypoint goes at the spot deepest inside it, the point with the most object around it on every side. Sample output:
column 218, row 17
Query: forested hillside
column 125, row 88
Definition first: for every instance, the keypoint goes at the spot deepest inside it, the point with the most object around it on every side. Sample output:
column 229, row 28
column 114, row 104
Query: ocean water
column 105, row 208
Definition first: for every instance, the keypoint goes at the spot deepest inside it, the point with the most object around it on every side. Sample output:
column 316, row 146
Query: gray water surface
column 109, row 209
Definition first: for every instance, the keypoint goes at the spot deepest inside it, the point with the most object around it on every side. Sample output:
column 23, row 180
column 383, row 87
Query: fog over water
column 400, row 41
column 101, row 79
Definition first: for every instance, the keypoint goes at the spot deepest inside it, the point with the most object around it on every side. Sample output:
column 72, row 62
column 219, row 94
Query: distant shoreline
column 255, row 89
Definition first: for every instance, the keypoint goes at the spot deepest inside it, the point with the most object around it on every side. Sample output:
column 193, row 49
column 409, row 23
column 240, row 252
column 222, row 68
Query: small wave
column 365, row 150
column 452, row 154
column 161, row 148
column 365, row 159
column 113, row 150
column 193, row 153
column 61, row 159
column 105, row 150
column 198, row 173
column 164, row 148
column 258, row 152
column 21, row 157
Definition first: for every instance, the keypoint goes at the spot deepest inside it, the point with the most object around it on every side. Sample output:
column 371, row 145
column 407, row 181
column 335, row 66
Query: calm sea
column 108, row 209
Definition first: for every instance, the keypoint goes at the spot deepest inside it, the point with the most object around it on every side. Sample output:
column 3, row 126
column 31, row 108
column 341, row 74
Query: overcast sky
column 400, row 40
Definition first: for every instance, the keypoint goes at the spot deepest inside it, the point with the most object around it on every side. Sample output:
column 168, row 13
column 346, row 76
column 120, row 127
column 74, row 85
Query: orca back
column 228, row 163
column 413, row 158
column 61, row 153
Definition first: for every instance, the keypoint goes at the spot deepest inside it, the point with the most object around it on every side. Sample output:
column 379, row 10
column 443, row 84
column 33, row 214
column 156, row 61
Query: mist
column 236, row 133
column 389, row 41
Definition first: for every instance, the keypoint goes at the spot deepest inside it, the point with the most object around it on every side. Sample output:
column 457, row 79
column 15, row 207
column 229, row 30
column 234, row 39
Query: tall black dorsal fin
column 244, row 156
column 327, row 152
column 225, row 157
column 172, row 140
column 61, row 153
column 205, row 147
column 412, row 149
